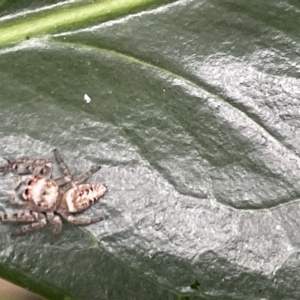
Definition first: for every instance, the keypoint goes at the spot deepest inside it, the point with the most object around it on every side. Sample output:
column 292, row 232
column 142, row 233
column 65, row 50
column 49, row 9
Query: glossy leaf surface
column 194, row 116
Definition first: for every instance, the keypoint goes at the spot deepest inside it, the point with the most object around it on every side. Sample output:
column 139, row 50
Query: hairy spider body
column 45, row 198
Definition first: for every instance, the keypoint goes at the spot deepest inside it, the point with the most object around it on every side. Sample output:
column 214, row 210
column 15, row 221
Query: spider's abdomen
column 38, row 192
column 82, row 196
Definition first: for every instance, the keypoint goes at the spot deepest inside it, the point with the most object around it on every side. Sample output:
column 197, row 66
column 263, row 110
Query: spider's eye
column 15, row 167
column 27, row 192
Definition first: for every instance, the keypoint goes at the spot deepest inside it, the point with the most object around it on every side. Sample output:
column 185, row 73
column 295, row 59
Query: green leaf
column 194, row 117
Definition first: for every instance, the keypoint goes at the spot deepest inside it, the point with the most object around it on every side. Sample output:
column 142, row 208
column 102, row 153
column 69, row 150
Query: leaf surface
column 194, row 117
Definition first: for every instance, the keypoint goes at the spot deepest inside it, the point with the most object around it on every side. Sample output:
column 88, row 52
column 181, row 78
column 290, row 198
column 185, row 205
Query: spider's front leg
column 38, row 221
column 24, row 216
column 5, row 168
column 14, row 165
column 25, row 166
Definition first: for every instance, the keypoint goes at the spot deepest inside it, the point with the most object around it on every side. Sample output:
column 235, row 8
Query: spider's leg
column 33, row 226
column 62, row 180
column 4, row 169
column 14, row 165
column 19, row 160
column 25, row 216
column 62, row 164
column 86, row 175
column 80, row 220
column 56, row 221
column 25, row 166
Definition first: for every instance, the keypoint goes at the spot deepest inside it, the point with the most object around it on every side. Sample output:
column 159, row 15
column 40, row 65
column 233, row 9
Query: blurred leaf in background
column 194, row 117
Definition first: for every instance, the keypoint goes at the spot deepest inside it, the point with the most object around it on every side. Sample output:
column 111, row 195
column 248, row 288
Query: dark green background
column 195, row 117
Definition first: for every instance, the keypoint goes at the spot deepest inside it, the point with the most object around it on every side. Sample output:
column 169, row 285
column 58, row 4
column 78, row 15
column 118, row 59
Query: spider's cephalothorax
column 45, row 198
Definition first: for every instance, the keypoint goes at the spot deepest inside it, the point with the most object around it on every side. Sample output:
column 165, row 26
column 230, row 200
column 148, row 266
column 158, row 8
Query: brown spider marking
column 44, row 198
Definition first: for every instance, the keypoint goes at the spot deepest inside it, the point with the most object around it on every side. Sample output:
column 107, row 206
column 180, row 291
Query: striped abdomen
column 83, row 196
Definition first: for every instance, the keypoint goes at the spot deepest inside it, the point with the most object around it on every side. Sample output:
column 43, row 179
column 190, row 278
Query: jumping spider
column 43, row 197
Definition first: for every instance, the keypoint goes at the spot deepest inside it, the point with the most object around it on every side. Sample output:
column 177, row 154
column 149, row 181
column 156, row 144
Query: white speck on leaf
column 87, row 98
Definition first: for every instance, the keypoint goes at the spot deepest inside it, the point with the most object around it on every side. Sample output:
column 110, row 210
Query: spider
column 44, row 198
